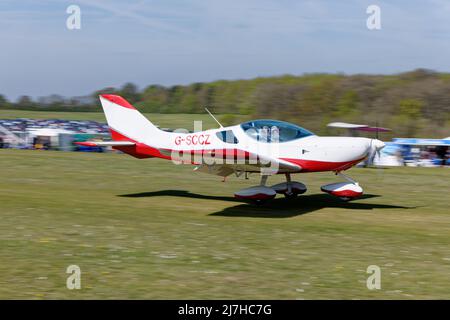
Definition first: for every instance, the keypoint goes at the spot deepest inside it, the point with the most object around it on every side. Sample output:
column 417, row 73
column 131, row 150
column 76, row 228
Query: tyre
column 290, row 195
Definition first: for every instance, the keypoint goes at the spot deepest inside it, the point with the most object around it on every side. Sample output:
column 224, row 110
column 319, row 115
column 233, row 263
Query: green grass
column 174, row 121
column 150, row 229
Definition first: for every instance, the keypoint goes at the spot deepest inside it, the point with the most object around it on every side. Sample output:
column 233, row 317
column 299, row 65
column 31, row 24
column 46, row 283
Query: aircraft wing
column 218, row 170
column 269, row 165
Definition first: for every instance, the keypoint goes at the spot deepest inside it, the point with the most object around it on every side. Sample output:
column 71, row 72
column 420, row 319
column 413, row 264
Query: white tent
column 47, row 132
column 51, row 133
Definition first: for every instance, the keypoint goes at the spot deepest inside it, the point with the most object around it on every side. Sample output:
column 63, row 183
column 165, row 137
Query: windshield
column 274, row 130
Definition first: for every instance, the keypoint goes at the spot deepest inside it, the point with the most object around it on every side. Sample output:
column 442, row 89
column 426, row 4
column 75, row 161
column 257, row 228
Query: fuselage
column 231, row 144
column 250, row 146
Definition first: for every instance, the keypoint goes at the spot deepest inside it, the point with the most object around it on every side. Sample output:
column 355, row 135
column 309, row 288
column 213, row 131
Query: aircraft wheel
column 260, row 202
column 290, row 195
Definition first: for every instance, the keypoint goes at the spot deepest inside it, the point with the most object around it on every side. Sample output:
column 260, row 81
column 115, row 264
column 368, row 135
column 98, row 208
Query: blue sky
column 183, row 41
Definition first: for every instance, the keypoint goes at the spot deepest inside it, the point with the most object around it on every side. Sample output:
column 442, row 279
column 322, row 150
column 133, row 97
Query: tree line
column 412, row 103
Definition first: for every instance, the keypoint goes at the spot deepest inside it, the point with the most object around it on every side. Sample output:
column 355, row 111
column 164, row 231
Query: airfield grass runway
column 147, row 229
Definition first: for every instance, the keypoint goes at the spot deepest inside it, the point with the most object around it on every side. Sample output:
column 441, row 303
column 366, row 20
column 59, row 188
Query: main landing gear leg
column 289, row 194
column 289, row 185
column 263, row 180
column 290, row 189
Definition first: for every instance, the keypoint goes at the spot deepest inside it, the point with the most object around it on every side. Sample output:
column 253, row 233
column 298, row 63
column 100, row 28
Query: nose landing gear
column 344, row 190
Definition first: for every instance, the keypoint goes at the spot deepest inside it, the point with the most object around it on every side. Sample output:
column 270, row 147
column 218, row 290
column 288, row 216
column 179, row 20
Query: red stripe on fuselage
column 317, row 166
column 140, row 150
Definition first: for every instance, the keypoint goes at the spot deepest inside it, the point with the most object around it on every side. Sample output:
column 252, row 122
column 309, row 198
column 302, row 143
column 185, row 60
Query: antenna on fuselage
column 214, row 117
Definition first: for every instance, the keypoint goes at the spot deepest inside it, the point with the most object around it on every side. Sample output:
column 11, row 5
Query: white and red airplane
column 267, row 147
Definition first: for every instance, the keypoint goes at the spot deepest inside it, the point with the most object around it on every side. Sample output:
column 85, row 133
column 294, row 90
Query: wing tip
column 86, row 143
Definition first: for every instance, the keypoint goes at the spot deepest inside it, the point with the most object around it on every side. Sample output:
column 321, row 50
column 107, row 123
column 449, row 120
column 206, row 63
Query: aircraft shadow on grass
column 276, row 208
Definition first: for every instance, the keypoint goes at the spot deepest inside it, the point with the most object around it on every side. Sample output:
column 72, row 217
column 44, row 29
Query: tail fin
column 126, row 123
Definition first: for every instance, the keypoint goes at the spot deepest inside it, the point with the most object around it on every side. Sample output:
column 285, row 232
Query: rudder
column 126, row 123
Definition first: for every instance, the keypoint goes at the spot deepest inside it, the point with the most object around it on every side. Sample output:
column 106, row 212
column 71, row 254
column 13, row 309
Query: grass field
column 149, row 229
column 174, row 121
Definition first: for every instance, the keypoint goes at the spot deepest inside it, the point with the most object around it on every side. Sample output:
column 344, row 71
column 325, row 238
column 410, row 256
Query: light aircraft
column 266, row 147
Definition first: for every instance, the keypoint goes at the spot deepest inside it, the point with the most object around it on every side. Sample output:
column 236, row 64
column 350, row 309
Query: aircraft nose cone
column 378, row 144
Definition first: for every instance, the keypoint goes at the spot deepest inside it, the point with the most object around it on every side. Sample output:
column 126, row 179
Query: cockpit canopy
column 274, row 130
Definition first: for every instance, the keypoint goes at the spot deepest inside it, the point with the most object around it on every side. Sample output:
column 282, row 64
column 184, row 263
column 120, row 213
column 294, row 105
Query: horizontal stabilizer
column 105, row 143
